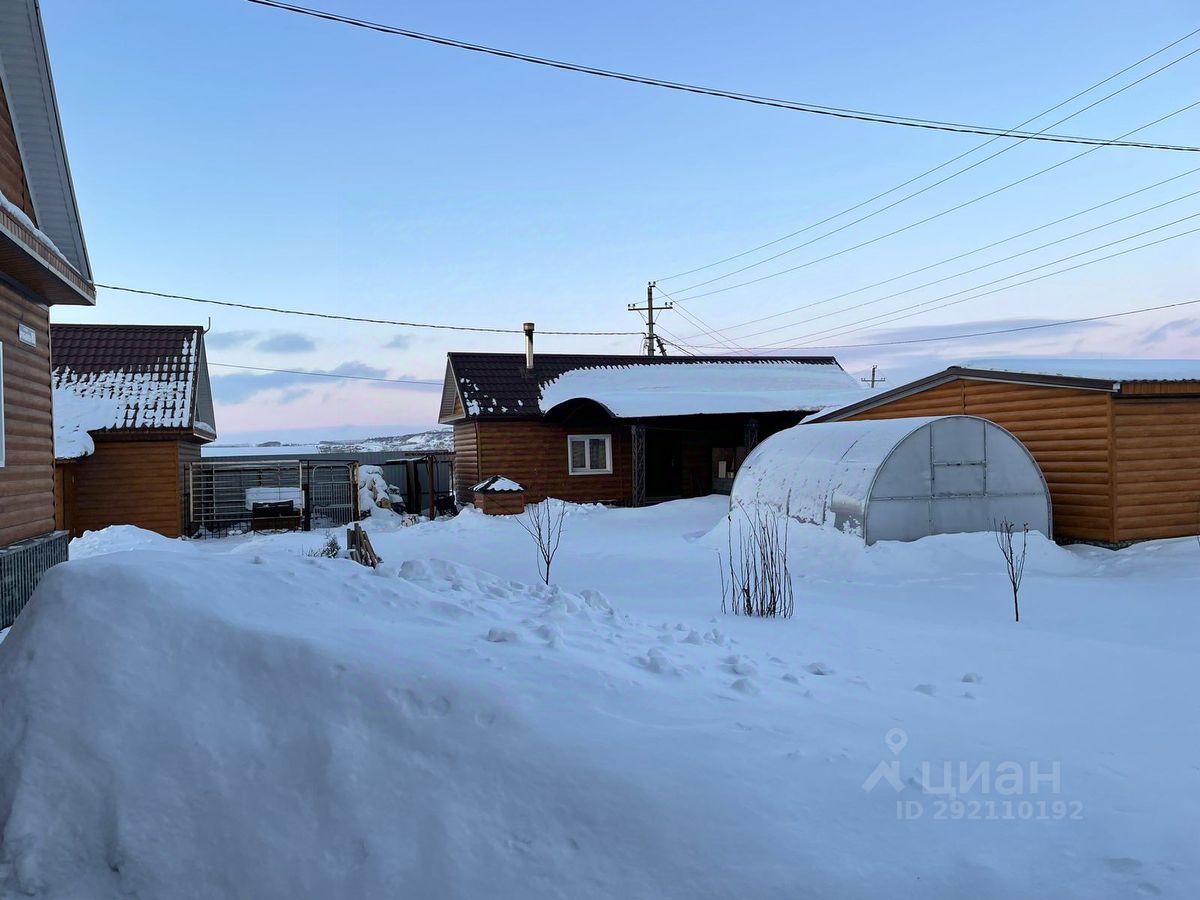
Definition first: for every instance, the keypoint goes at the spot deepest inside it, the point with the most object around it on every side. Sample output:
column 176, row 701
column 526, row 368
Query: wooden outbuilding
column 1118, row 440
column 133, row 406
column 43, row 262
column 624, row 430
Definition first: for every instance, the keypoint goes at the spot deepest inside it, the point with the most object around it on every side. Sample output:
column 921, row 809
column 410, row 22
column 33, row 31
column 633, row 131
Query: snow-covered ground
column 236, row 718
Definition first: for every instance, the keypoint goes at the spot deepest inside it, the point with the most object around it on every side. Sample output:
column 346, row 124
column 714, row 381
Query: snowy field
column 234, row 718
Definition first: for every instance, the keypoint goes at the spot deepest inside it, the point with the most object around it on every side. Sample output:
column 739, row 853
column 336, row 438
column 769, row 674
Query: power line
column 896, row 231
column 327, row 374
column 995, row 262
column 943, row 165
column 319, row 315
column 996, row 331
column 958, row 256
column 795, row 106
column 908, row 312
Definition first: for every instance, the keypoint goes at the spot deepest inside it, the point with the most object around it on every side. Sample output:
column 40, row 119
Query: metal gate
column 332, row 495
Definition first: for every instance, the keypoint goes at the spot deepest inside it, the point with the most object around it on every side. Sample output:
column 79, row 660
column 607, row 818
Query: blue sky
column 226, row 150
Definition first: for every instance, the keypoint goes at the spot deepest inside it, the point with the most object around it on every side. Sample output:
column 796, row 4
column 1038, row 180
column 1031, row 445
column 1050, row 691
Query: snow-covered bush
column 331, row 549
column 755, row 578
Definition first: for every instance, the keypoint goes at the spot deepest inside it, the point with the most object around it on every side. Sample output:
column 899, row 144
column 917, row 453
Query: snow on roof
column 1099, row 369
column 76, row 415
column 148, row 374
column 497, row 484
column 705, row 388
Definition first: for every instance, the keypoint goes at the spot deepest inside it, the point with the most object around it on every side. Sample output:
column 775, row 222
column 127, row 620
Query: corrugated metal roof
column 153, row 371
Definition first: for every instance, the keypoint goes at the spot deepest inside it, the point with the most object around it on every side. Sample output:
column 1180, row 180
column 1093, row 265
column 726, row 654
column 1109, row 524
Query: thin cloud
column 399, row 342
column 288, row 342
column 222, row 339
column 238, row 387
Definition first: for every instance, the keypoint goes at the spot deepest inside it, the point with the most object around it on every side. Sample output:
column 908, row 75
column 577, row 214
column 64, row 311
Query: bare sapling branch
column 755, row 578
column 543, row 522
column 1014, row 558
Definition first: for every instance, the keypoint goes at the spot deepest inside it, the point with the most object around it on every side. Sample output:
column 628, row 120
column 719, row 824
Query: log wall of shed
column 1068, row 431
column 27, row 477
column 127, row 482
column 1157, row 464
column 534, row 454
column 466, row 461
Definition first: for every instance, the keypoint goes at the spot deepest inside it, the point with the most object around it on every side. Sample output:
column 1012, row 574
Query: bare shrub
column 1014, row 558
column 331, row 549
column 755, row 579
column 544, row 524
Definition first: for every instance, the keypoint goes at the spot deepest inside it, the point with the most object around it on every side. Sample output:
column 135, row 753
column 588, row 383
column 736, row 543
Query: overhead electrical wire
column 328, row 375
column 944, row 278
column 948, row 162
column 900, row 230
column 341, row 318
column 920, row 308
column 795, row 106
column 998, row 331
column 958, row 256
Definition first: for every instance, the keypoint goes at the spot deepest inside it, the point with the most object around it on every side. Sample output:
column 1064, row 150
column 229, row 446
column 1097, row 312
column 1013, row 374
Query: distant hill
column 439, row 440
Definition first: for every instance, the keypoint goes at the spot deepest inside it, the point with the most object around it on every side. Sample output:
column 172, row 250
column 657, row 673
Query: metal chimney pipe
column 529, row 346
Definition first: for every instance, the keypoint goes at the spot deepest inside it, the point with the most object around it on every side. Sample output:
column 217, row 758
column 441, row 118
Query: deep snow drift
column 234, row 719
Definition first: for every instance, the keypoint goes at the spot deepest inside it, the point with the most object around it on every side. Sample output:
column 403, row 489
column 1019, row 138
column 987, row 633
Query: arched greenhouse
column 898, row 479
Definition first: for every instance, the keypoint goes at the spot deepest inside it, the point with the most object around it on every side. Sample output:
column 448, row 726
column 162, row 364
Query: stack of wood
column 359, row 545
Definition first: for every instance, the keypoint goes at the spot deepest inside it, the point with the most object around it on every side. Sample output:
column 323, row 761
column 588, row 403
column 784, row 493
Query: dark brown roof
column 157, row 373
column 499, row 386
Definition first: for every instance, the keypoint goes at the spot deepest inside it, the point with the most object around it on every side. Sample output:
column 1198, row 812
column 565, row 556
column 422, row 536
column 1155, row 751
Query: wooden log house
column 625, row 430
column 43, row 262
column 149, row 385
column 1118, row 440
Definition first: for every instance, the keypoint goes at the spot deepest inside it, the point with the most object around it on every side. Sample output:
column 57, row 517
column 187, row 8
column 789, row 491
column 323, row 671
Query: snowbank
column 238, row 720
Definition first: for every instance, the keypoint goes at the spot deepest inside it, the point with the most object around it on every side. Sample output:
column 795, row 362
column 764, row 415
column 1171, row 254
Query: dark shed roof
column 500, row 387
column 157, row 373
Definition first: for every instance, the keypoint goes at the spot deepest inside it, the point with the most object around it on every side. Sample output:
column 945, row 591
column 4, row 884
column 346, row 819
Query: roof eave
column 42, row 271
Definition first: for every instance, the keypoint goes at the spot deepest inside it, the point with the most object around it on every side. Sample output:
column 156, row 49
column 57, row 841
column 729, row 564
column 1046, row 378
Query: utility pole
column 650, row 309
column 873, row 380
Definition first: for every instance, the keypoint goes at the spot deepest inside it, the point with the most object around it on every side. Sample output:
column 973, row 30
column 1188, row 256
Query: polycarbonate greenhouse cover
column 898, row 479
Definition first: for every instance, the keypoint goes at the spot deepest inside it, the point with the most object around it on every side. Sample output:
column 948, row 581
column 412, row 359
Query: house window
column 589, row 454
column 1, row 406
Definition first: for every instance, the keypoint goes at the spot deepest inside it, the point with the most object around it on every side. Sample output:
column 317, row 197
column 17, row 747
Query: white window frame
column 1, row 404
column 587, row 452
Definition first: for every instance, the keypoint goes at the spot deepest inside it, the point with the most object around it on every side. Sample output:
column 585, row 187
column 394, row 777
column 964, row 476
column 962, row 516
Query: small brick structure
column 499, row 496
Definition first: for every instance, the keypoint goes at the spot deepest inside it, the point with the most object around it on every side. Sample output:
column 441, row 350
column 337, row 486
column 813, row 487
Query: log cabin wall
column 128, row 482
column 534, row 454
column 466, row 460
column 12, row 172
column 1068, row 431
column 1157, row 450
column 27, row 477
